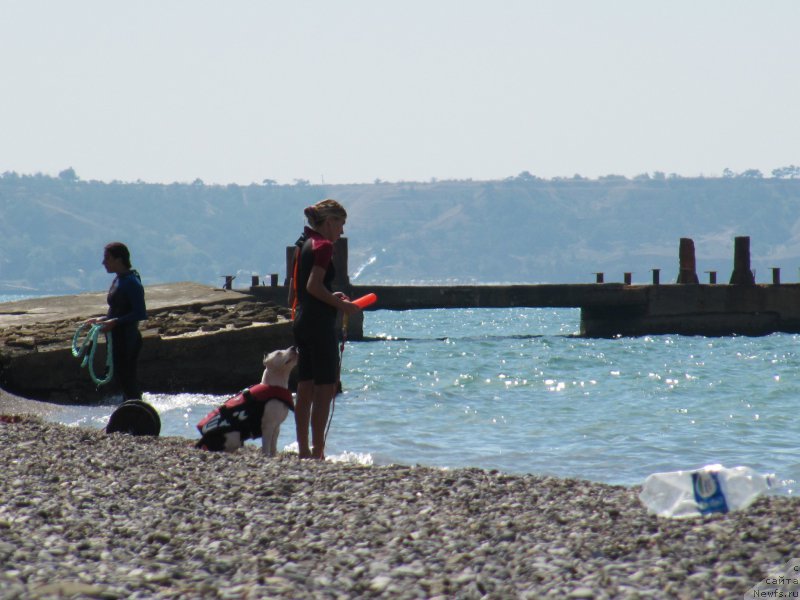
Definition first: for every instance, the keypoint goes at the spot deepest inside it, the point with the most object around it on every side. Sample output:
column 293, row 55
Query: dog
column 257, row 411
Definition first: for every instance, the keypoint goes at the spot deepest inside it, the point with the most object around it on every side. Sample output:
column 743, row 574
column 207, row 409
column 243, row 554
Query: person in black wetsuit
column 126, row 307
column 315, row 325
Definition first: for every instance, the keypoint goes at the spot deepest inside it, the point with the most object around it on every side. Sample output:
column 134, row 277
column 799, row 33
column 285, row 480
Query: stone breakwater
column 88, row 515
column 171, row 322
column 196, row 339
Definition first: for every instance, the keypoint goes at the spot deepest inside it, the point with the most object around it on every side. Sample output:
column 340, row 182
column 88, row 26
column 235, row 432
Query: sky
column 353, row 91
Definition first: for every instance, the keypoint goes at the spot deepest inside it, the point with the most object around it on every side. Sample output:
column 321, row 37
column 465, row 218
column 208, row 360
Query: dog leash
column 341, row 356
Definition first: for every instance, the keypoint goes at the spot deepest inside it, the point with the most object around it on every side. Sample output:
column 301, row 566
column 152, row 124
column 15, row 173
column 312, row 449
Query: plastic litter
column 710, row 489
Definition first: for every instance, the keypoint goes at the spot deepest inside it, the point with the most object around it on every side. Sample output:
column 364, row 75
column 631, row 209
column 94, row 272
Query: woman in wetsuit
column 315, row 325
column 126, row 308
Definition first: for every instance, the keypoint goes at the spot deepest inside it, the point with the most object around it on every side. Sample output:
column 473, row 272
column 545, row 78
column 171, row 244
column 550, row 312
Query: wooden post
column 598, row 278
column 289, row 263
column 628, row 278
column 273, row 279
column 656, row 276
column 776, row 275
column 742, row 275
column 688, row 265
column 228, row 285
column 254, row 280
column 712, row 277
column 342, row 280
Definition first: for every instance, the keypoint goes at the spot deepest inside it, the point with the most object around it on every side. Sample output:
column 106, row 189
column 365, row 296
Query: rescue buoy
column 365, row 301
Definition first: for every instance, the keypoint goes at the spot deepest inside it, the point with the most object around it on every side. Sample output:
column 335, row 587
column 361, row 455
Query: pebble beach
column 89, row 515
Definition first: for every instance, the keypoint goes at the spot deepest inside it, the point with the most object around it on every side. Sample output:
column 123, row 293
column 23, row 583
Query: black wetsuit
column 315, row 321
column 126, row 305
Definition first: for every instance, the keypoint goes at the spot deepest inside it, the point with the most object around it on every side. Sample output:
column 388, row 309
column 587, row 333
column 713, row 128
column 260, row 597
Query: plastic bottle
column 712, row 488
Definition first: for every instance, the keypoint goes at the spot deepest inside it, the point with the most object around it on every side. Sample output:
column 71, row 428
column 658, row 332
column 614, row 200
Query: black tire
column 134, row 417
column 153, row 412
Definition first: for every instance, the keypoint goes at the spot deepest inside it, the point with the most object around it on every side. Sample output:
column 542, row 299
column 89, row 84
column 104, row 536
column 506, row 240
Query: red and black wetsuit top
column 311, row 312
column 243, row 412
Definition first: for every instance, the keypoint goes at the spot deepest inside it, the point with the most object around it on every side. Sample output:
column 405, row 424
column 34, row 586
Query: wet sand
column 11, row 404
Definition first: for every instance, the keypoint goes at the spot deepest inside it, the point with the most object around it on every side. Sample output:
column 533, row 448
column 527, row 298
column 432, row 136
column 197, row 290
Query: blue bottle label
column 708, row 493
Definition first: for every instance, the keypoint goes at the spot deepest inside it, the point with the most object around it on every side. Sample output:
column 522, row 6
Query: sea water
column 516, row 390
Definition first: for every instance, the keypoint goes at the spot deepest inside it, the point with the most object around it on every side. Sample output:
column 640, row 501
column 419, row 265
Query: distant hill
column 521, row 230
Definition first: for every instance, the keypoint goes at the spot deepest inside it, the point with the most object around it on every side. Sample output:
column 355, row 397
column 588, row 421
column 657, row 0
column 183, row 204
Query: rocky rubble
column 215, row 317
column 166, row 322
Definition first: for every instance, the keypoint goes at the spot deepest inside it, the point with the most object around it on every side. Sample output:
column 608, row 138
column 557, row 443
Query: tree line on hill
column 522, row 229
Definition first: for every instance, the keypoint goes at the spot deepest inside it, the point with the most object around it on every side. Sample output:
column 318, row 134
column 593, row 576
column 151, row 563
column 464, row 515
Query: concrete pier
column 203, row 339
column 196, row 339
column 609, row 309
column 612, row 309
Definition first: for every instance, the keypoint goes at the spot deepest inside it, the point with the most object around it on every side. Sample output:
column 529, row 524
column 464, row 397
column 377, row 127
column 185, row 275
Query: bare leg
column 323, row 394
column 302, row 416
column 274, row 414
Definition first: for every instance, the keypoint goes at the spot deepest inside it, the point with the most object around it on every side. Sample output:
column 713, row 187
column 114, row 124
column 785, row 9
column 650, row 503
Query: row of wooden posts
column 255, row 280
column 687, row 273
column 341, row 282
column 712, row 277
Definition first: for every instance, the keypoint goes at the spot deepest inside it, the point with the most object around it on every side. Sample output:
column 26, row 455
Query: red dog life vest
column 243, row 412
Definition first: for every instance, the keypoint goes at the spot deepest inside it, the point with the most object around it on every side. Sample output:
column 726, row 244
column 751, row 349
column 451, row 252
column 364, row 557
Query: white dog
column 257, row 411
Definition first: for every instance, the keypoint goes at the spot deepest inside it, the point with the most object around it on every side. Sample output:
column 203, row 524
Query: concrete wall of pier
column 686, row 307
